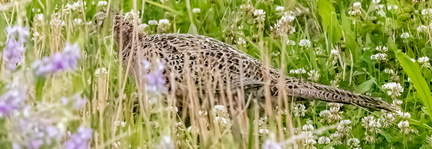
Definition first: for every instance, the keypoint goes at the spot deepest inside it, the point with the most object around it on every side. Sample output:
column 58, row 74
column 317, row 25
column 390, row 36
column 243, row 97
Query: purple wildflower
column 13, row 99
column 155, row 80
column 79, row 139
column 66, row 60
column 35, row 133
column 270, row 144
column 21, row 32
column 13, row 54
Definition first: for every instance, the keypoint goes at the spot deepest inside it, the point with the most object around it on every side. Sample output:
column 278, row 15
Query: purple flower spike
column 13, row 54
column 13, row 99
column 21, row 32
column 155, row 79
column 67, row 60
column 79, row 140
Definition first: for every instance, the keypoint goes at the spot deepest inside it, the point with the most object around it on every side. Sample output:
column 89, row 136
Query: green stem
column 39, row 87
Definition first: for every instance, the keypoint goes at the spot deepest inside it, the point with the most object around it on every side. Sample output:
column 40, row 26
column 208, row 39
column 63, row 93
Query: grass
column 345, row 50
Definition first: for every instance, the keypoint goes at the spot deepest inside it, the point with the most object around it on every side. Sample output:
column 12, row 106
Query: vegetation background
column 78, row 95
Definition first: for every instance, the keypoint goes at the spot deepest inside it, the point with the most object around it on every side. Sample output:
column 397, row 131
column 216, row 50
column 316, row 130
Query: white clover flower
column 308, row 127
column 247, row 8
column 324, row 140
column 381, row 48
column 153, row 22
column 196, row 10
column 163, row 22
column 78, row 21
column 404, row 115
column 369, row 138
column 357, row 5
column 371, row 125
column 299, row 110
column 389, row 71
column 75, row 6
column 334, row 136
column 283, row 26
column 394, row 89
column 132, row 14
column 259, row 15
column 241, row 41
column 353, row 142
column 313, row 75
column 397, row 102
column 374, row 126
column 366, row 121
column 298, row 71
column 287, row 18
column 309, row 143
column 427, row 12
column 102, row 3
column 101, row 71
column 334, row 52
column 380, row 7
column 280, row 8
column 220, row 108
column 379, row 57
column 163, row 25
column 56, row 21
column 376, row 1
column 39, row 17
column 387, row 120
column 305, row 43
column 424, row 61
column 324, row 113
column 344, row 128
column 337, row 105
column 422, row 28
column 290, row 42
column 263, row 131
column 345, row 122
column 355, row 9
column 392, row 7
column 404, row 126
column 405, row 35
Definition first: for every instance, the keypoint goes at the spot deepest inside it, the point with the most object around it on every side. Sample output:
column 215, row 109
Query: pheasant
column 206, row 60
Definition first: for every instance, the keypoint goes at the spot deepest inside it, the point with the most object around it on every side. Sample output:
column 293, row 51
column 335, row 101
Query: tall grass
column 338, row 43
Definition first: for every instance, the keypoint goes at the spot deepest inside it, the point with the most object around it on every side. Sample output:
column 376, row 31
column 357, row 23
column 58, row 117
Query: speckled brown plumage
column 209, row 60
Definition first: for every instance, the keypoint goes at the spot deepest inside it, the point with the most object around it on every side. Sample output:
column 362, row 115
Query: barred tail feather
column 330, row 94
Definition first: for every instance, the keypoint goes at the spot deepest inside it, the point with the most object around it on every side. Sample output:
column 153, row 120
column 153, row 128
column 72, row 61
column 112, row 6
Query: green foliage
column 343, row 51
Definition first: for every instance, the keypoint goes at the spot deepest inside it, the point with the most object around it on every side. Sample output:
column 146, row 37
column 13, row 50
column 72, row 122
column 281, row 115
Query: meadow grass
column 63, row 85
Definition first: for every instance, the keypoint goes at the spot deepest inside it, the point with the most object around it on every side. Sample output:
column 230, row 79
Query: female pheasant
column 203, row 60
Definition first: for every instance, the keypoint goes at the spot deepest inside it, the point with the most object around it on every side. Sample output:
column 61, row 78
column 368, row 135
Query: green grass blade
column 413, row 71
